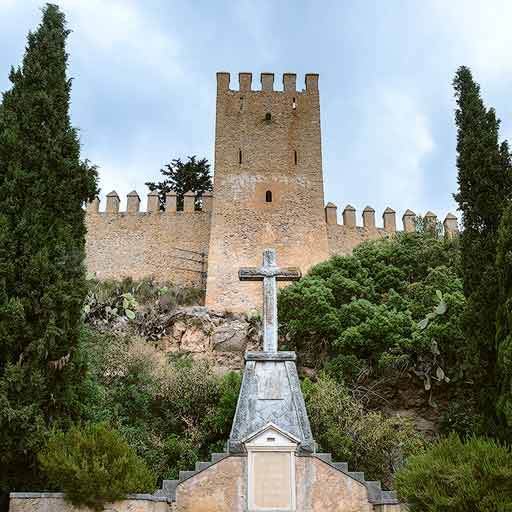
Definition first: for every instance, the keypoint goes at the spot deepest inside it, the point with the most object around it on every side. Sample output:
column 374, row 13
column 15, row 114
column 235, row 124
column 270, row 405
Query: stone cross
column 269, row 273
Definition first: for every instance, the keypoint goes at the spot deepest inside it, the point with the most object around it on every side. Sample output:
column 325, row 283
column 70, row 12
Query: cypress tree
column 43, row 187
column 504, row 322
column 484, row 178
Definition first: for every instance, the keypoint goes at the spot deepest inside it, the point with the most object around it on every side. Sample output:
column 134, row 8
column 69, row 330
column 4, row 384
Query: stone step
column 186, row 474
column 218, row 456
column 374, row 490
column 389, row 496
column 326, row 457
column 342, row 466
column 168, row 489
column 357, row 475
column 203, row 465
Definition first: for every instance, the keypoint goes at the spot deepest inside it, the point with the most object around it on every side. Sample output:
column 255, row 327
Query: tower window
column 268, row 117
column 268, row 196
column 295, row 157
column 294, row 104
column 240, row 156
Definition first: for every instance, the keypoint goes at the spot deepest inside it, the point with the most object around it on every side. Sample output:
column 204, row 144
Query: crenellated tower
column 268, row 183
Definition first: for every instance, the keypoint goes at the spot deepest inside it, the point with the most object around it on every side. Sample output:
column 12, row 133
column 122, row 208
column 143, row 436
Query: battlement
column 153, row 203
column 267, row 83
column 450, row 223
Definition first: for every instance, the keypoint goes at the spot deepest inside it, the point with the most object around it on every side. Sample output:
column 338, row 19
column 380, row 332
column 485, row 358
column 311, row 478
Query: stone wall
column 169, row 246
column 55, row 502
column 320, row 487
column 343, row 240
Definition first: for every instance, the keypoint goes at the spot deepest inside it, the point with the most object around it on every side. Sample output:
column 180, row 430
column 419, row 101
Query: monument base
column 270, row 394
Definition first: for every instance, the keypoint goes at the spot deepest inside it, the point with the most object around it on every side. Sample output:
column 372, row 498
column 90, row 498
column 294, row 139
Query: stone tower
column 268, row 184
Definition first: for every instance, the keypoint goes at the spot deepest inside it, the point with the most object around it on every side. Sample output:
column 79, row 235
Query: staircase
column 168, row 489
column 376, row 495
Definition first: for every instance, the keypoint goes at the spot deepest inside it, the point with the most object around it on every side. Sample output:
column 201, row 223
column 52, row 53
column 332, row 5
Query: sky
column 144, row 83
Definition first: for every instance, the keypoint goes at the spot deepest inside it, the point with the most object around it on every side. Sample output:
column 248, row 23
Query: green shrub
column 94, row 465
column 180, row 454
column 457, row 476
column 396, row 304
column 170, row 410
column 368, row 441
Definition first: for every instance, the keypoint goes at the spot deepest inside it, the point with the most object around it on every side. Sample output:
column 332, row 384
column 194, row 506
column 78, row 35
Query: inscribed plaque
column 272, row 484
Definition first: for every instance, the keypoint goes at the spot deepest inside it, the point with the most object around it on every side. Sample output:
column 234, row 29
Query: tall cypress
column 485, row 183
column 43, row 187
column 504, row 322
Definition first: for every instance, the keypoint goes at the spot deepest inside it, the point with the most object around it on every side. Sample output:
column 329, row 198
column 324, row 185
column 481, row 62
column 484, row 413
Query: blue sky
column 144, row 83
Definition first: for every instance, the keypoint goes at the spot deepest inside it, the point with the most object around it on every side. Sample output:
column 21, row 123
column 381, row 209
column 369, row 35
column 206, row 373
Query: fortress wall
column 343, row 240
column 149, row 244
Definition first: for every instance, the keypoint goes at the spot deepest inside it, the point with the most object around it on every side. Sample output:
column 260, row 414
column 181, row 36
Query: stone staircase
column 168, row 489
column 376, row 495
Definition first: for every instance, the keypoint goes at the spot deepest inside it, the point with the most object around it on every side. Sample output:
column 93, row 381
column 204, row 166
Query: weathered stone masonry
column 268, row 193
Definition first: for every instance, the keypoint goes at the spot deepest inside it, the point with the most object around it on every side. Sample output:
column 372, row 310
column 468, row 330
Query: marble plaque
column 269, row 381
column 272, row 482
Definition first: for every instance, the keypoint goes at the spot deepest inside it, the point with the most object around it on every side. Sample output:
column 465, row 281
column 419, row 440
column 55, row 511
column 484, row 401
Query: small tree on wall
column 180, row 177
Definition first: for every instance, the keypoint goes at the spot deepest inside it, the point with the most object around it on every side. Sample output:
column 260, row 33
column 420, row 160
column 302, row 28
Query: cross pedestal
column 269, row 273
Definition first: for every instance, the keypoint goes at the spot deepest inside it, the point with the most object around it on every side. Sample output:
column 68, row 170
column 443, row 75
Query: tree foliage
column 180, row 177
column 43, row 186
column 94, row 465
column 504, row 322
column 394, row 304
column 485, row 184
column 368, row 441
column 170, row 412
column 457, row 476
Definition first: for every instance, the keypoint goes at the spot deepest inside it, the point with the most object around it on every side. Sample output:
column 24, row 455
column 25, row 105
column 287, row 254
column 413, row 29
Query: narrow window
column 268, row 117
column 241, row 103
column 294, row 104
column 268, row 196
column 295, row 157
column 240, row 156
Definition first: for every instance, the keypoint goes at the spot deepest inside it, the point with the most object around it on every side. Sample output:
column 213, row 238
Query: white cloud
column 478, row 33
column 123, row 31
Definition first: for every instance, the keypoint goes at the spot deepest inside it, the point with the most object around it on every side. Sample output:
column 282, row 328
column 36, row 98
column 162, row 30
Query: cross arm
column 280, row 273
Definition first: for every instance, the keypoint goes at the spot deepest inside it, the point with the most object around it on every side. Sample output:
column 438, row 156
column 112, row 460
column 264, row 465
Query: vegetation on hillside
column 392, row 307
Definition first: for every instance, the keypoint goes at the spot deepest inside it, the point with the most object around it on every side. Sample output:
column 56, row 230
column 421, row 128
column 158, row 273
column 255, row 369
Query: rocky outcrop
column 222, row 339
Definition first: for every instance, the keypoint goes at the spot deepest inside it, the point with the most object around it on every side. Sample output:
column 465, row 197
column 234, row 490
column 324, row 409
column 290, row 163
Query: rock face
column 220, row 338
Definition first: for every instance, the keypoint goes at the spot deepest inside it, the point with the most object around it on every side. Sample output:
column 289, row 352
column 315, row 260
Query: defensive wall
column 171, row 245
column 166, row 245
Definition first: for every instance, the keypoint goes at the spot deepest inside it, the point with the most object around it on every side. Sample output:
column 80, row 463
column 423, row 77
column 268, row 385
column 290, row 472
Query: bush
column 368, row 441
column 395, row 304
column 457, row 476
column 171, row 411
column 93, row 465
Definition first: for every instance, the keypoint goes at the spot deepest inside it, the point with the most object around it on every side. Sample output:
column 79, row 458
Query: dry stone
column 231, row 337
